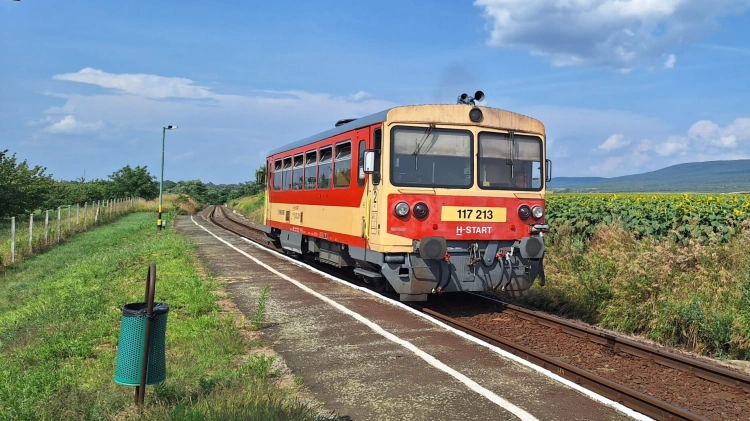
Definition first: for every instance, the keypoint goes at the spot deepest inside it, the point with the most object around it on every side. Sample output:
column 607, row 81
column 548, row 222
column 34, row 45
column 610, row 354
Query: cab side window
column 361, row 164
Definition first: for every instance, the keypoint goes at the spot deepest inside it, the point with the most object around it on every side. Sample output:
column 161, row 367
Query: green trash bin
column 130, row 348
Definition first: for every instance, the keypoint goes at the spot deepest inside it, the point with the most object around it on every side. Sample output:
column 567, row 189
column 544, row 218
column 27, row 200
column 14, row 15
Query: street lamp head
column 170, row 128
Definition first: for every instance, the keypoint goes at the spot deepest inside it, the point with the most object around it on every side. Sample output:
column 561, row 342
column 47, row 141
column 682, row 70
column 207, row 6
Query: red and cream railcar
column 425, row 199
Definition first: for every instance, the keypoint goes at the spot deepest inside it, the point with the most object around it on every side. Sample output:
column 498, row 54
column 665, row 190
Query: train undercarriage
column 435, row 265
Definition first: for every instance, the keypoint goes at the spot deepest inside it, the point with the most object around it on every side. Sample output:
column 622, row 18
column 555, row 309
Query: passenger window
column 343, row 165
column 297, row 178
column 311, row 164
column 325, row 168
column 277, row 175
column 361, row 164
column 287, row 174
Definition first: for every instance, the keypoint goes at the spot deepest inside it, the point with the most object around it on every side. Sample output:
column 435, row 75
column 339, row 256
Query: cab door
column 373, row 184
column 362, row 143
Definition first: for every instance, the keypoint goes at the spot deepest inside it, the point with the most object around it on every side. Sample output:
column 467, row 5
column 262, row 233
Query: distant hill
column 710, row 177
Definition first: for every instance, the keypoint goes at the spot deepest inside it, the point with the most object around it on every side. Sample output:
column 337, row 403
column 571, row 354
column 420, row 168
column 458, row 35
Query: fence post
column 46, row 227
column 13, row 240
column 31, row 233
column 59, row 216
column 68, row 219
column 96, row 213
column 85, row 214
column 78, row 215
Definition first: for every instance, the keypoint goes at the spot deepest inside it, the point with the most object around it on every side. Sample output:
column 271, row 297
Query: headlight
column 475, row 115
column 402, row 209
column 421, row 210
column 537, row 212
column 524, row 212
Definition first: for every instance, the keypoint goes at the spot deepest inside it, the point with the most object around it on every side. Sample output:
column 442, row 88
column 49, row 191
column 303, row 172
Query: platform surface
column 361, row 373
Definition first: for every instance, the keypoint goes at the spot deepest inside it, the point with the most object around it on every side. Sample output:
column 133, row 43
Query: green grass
column 59, row 327
column 260, row 312
column 69, row 225
column 251, row 207
column 696, row 296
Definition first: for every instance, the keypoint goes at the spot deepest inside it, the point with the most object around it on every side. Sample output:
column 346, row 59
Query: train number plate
column 470, row 213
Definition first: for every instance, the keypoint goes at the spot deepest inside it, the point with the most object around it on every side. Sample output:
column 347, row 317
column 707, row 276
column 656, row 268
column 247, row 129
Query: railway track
column 661, row 384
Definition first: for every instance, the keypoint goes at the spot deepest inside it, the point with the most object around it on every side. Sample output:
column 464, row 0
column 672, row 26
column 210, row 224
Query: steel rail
column 709, row 372
column 635, row 400
column 214, row 221
column 640, row 402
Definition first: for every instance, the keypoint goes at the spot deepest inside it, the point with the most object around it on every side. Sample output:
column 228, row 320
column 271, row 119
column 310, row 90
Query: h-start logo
column 472, row 229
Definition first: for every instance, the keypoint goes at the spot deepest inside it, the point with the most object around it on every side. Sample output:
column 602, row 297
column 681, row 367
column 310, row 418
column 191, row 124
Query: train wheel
column 378, row 284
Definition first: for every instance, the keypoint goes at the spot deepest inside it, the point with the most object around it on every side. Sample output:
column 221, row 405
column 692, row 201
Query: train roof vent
column 344, row 121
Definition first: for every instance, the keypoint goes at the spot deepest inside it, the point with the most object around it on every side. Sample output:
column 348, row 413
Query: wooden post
column 78, row 215
column 46, row 227
column 85, row 214
column 59, row 216
column 12, row 240
column 31, row 233
column 68, row 219
column 96, row 214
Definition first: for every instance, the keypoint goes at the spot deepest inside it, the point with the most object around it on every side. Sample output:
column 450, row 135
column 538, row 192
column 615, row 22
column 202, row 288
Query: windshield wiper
column 418, row 148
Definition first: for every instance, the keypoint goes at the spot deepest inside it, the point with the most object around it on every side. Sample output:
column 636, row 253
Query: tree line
column 25, row 189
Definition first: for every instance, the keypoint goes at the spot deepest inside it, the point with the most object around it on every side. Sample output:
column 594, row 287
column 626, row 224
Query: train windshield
column 510, row 161
column 430, row 157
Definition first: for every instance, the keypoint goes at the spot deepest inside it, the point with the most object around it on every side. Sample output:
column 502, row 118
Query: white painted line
column 505, row 404
column 595, row 396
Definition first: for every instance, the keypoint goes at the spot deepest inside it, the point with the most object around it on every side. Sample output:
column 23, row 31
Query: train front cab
column 455, row 205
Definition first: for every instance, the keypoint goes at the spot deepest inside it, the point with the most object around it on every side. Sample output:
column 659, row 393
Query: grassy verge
column 59, row 326
column 251, row 207
column 74, row 220
column 696, row 296
column 172, row 204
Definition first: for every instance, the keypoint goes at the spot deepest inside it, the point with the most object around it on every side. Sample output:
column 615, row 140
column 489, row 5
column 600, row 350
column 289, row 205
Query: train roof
column 354, row 124
column 498, row 117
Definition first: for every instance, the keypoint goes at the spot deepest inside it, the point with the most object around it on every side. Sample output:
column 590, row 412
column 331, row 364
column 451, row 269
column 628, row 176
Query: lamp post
column 159, row 224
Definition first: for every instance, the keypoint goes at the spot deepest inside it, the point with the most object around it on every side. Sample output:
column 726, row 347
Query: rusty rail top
column 637, row 401
column 701, row 369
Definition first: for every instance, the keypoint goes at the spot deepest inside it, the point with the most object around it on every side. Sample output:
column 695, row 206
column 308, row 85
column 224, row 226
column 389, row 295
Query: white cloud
column 644, row 145
column 616, row 141
column 149, row 86
column 632, row 159
column 69, row 125
column 359, row 96
column 708, row 132
column 673, row 145
column 671, row 60
column 609, row 165
column 213, row 126
column 618, row 34
column 66, row 109
column 142, row 101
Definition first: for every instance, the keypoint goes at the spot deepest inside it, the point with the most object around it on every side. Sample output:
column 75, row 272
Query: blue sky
column 623, row 86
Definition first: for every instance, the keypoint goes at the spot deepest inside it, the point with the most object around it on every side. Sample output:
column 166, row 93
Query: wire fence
column 23, row 237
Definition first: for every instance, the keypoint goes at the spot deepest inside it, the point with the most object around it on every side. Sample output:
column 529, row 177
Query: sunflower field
column 678, row 216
